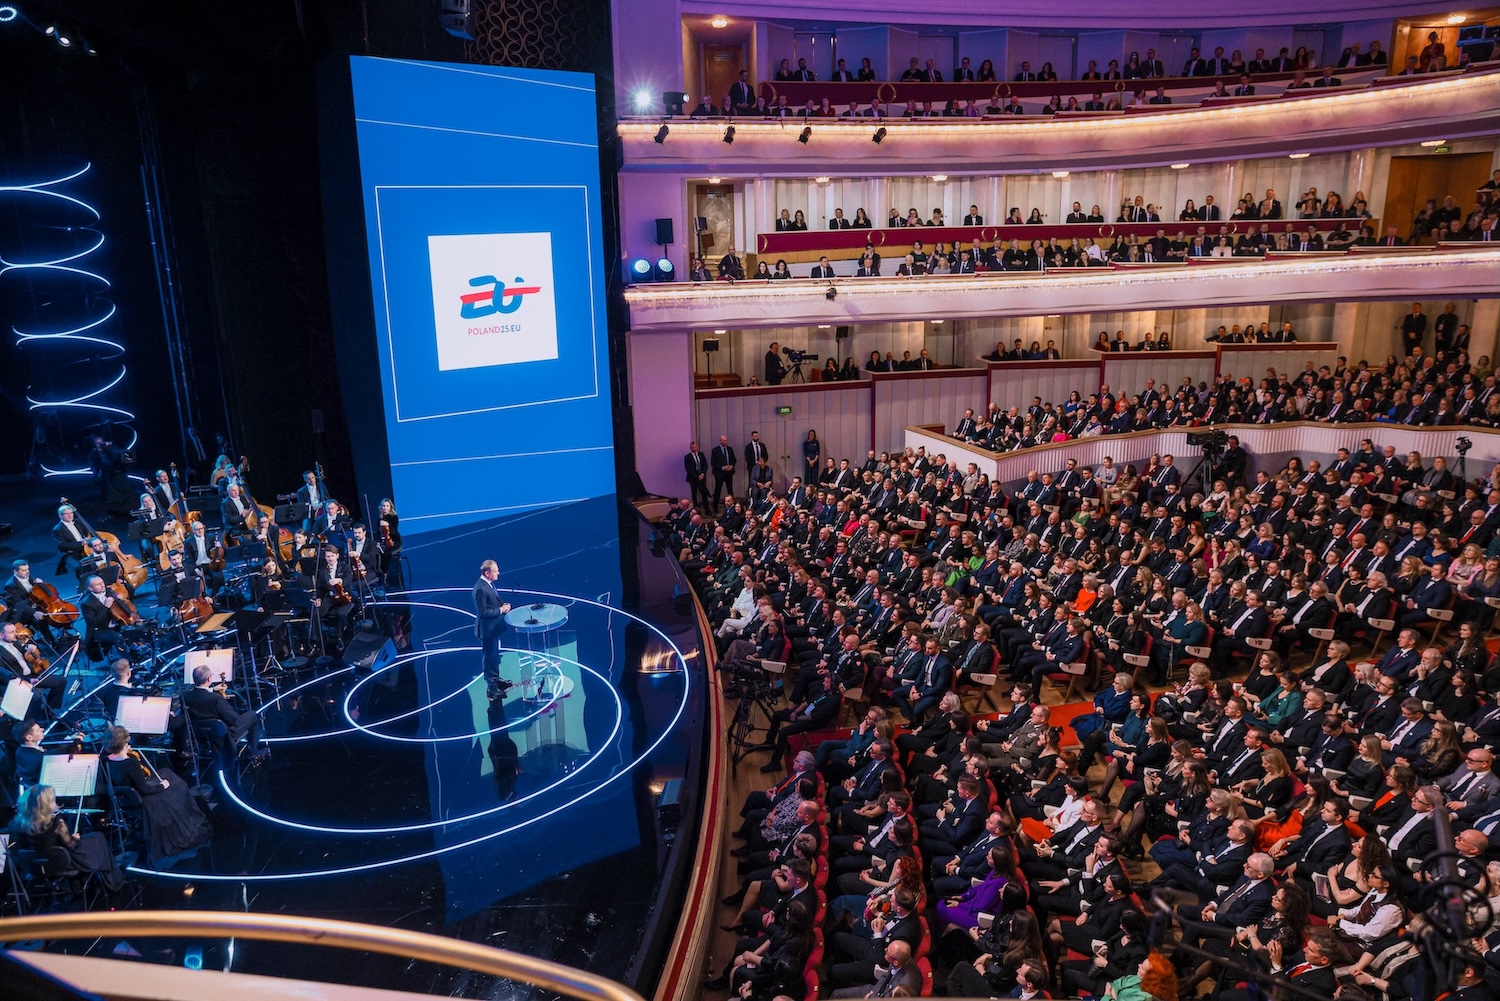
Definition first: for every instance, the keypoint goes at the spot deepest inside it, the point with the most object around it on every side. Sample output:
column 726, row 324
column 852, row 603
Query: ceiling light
column 940, row 178
column 713, row 180
column 1430, row 143
column 1059, row 174
column 805, row 134
column 1457, row 18
column 936, row 322
column 8, row 13
column 1298, row 156
column 824, row 326
column 720, row 332
column 729, row 135
column 720, row 21
column 1181, row 166
column 822, row 179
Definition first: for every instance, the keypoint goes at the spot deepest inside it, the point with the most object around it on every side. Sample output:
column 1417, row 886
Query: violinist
column 268, row 578
column 15, row 663
column 203, row 702
column 335, row 590
column 237, row 508
column 18, row 596
column 72, row 535
column 303, row 548
column 178, row 583
column 200, row 555
column 364, row 555
column 98, row 613
column 389, row 538
column 118, row 687
column 333, row 523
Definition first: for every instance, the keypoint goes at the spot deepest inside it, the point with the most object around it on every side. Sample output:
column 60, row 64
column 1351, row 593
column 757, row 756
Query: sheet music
column 220, row 664
column 17, row 699
column 70, row 774
column 143, row 715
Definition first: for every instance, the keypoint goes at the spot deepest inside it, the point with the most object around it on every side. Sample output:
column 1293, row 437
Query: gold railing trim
column 323, row 932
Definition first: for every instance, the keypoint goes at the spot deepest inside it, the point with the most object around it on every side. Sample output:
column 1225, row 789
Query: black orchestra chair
column 211, row 750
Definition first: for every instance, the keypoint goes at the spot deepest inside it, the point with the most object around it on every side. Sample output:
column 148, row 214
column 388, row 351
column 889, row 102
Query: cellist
column 71, row 534
column 103, row 626
column 20, row 608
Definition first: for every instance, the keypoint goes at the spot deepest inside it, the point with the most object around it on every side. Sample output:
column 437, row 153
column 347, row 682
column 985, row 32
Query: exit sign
column 1442, row 149
column 783, row 411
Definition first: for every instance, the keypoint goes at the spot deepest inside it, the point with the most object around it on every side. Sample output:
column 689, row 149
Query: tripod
column 756, row 691
column 797, row 375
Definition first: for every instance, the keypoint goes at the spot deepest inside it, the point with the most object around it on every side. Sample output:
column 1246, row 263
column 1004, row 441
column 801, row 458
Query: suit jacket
column 487, row 604
column 1483, row 786
column 1249, row 908
column 1318, row 847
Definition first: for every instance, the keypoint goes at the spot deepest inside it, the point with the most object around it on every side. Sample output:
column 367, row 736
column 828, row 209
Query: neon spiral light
column 66, row 338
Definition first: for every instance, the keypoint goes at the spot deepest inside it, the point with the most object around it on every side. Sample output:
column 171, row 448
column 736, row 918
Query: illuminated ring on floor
column 687, row 682
column 604, row 745
column 473, row 735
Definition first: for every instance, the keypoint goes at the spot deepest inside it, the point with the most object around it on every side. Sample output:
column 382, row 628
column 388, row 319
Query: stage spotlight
column 673, row 101
column 664, row 270
column 8, row 13
column 64, row 40
column 879, row 136
column 661, row 135
column 642, row 101
column 806, row 134
column 641, row 269
column 729, row 135
column 831, row 294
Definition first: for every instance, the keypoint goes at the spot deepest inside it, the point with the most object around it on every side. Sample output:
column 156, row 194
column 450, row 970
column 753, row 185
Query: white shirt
column 73, row 527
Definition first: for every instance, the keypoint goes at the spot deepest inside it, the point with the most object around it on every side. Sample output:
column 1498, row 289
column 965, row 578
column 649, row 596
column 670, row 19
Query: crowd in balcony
column 1290, row 681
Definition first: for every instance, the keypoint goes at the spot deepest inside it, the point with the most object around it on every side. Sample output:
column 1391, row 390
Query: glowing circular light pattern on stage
column 621, row 771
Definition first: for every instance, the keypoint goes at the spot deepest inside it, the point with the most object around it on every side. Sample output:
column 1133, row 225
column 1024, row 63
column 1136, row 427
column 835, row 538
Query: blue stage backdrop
column 480, row 188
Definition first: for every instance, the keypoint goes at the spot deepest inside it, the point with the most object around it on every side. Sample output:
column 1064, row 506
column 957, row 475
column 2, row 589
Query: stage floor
column 404, row 797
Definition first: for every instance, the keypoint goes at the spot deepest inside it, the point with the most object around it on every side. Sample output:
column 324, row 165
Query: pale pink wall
column 648, row 49
column 644, row 198
column 661, row 395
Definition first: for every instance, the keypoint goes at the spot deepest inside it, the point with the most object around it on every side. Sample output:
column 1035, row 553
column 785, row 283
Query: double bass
column 131, row 567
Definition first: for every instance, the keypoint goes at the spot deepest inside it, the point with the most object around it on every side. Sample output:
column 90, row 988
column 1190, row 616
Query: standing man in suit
column 973, row 218
column 755, row 452
column 1413, row 328
column 741, row 94
column 695, row 465
column 724, row 461
column 1270, row 208
column 489, row 626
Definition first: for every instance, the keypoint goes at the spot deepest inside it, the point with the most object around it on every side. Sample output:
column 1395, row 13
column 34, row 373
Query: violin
column 47, row 601
column 337, row 596
column 359, row 568
column 33, row 655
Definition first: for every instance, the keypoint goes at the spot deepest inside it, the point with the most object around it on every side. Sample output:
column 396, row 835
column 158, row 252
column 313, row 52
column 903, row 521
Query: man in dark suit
column 1245, row 621
column 1246, row 88
column 1322, row 842
column 823, row 270
column 1209, row 212
column 755, row 451
column 311, row 495
column 489, row 626
column 724, row 462
column 1413, row 328
column 842, row 74
column 1246, row 902
column 817, row 712
column 72, row 534
column 695, row 465
column 1160, row 97
column 203, row 703
column 973, row 218
column 1315, row 974
column 741, row 94
column 731, row 265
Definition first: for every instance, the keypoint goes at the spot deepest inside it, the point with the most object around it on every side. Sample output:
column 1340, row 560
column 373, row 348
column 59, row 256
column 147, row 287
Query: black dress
column 90, row 853
column 175, row 822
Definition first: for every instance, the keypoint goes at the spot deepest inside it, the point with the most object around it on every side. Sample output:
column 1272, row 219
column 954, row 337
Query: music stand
column 220, row 664
column 70, row 774
column 17, row 699
column 288, row 513
column 146, row 715
column 249, row 620
column 146, row 529
column 252, row 550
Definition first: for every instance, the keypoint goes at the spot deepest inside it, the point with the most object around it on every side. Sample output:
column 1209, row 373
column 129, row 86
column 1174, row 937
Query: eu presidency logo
column 496, row 322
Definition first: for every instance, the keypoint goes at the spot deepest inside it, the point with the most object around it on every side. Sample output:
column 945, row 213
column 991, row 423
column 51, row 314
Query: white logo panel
column 493, row 299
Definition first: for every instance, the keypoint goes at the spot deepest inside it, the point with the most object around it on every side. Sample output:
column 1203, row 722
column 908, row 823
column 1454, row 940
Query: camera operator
column 775, row 371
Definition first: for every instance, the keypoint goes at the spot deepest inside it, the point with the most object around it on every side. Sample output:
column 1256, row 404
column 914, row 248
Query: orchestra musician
column 172, row 537
column 118, row 687
column 166, row 495
column 236, row 508
column 363, row 553
column 332, row 524
column 20, row 607
column 13, row 664
column 103, row 627
column 198, row 549
column 303, row 548
column 388, row 535
column 335, row 590
column 311, row 494
column 203, row 702
column 231, row 478
column 96, row 558
column 72, row 535
column 178, row 583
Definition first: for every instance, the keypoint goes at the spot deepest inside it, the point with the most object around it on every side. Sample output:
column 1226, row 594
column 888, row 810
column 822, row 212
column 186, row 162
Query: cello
column 131, row 567
column 47, row 601
column 179, row 505
column 123, row 610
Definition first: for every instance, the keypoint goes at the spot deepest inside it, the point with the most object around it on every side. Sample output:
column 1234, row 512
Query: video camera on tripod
column 797, row 357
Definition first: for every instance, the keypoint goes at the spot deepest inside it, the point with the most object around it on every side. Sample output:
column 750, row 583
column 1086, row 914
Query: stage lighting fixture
column 641, row 269
column 806, row 134
column 664, row 270
column 729, row 135
column 831, row 294
column 8, row 13
column 642, row 101
column 661, row 135
column 673, row 101
column 879, row 136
